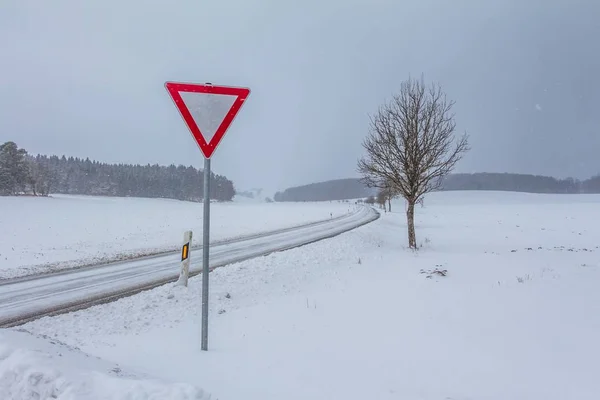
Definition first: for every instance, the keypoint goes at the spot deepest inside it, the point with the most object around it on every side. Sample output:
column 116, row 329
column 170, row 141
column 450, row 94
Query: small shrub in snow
column 437, row 271
column 441, row 272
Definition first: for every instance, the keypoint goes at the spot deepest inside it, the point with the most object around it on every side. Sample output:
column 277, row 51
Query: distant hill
column 512, row 182
column 352, row 188
column 339, row 189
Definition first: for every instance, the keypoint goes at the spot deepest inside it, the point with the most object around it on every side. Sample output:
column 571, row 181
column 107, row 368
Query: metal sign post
column 207, row 110
column 205, row 249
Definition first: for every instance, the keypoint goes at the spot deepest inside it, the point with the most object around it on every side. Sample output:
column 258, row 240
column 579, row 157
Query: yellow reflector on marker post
column 185, row 259
column 185, row 251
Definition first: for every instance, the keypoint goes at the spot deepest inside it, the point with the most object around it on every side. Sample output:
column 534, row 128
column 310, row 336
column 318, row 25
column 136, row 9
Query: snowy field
column 45, row 234
column 359, row 316
column 43, row 368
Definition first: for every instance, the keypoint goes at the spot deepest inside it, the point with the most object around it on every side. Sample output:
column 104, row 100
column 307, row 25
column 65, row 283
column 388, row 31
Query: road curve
column 23, row 300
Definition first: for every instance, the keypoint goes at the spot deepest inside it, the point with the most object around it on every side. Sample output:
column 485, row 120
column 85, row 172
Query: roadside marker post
column 185, row 259
column 208, row 110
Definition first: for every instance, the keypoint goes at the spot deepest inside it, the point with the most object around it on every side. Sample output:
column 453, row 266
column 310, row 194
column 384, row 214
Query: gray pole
column 205, row 246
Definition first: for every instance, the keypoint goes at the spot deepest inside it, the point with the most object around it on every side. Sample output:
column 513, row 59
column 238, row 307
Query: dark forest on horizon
column 353, row 188
column 21, row 173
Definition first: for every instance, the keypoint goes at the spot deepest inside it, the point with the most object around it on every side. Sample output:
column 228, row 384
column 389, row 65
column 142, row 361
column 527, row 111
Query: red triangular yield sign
column 207, row 110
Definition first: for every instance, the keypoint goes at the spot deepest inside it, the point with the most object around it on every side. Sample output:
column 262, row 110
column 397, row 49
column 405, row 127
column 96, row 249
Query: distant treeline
column 353, row 188
column 41, row 175
column 339, row 189
column 520, row 183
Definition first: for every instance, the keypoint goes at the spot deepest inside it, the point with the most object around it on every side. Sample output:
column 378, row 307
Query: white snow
column 39, row 368
column 354, row 317
column 43, row 234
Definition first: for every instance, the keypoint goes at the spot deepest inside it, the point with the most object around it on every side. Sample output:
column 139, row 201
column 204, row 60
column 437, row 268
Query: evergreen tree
column 14, row 171
column 42, row 175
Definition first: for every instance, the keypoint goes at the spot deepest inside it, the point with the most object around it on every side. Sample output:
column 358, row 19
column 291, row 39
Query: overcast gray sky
column 85, row 78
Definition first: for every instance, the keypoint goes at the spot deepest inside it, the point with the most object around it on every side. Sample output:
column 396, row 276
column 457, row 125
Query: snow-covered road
column 22, row 300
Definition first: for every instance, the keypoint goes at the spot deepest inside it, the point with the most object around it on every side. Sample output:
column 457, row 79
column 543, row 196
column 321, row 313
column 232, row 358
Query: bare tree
column 390, row 193
column 382, row 196
column 411, row 145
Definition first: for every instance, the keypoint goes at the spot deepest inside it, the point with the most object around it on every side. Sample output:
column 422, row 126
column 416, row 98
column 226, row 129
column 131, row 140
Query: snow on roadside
column 358, row 316
column 238, row 285
column 38, row 367
column 47, row 234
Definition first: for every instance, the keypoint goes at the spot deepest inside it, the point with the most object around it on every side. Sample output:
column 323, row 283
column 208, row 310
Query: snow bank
column 40, row 368
column 360, row 316
column 45, row 234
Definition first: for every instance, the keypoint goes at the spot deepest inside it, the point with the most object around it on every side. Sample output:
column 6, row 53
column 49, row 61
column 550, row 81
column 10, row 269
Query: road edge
column 110, row 297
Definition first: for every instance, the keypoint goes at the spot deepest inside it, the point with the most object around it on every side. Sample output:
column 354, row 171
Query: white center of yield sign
column 208, row 110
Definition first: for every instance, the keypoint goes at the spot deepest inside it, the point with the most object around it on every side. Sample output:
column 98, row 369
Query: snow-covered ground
column 37, row 367
column 44, row 234
column 360, row 316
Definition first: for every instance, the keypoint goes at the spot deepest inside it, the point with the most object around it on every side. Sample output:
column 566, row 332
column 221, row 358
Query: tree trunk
column 410, row 221
column 389, row 204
